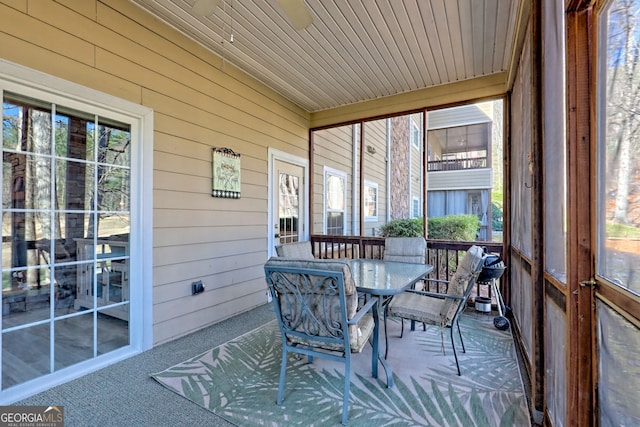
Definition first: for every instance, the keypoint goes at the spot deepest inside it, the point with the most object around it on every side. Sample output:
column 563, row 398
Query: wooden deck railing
column 444, row 255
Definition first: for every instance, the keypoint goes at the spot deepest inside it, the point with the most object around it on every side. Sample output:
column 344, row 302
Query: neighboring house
column 460, row 174
column 381, row 151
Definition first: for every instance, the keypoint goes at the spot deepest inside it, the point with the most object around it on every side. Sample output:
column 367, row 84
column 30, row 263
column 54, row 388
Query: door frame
column 277, row 155
column 581, row 401
column 29, row 82
column 601, row 289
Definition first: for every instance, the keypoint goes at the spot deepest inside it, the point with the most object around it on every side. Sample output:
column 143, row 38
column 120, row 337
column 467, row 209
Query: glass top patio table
column 381, row 278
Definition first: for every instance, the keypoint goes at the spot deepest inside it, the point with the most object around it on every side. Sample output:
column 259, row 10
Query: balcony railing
column 456, row 164
column 444, row 255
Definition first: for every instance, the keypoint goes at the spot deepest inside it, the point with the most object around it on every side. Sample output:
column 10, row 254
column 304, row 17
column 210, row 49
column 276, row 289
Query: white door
column 287, row 201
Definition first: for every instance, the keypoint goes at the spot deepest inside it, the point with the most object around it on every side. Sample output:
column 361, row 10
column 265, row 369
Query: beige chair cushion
column 420, row 308
column 405, row 249
column 295, row 250
column 468, row 267
column 439, row 311
column 363, row 331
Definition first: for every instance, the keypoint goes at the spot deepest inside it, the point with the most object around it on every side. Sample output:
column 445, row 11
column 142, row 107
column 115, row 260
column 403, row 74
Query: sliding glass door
column 65, row 237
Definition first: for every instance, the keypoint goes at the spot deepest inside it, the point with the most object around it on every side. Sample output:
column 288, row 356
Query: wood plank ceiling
column 355, row 50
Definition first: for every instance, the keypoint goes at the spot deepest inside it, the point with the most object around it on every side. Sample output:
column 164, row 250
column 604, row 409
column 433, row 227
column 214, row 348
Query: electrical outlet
column 197, row 287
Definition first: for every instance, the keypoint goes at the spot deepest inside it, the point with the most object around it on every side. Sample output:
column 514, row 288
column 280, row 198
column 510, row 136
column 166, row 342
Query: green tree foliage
column 496, row 217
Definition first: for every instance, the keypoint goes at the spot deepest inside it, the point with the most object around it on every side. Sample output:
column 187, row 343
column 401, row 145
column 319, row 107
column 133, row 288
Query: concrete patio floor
column 124, row 394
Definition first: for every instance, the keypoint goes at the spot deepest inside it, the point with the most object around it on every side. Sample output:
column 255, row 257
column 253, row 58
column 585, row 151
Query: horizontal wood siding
column 199, row 103
column 416, row 165
column 375, row 170
column 333, row 148
column 466, row 179
column 460, row 116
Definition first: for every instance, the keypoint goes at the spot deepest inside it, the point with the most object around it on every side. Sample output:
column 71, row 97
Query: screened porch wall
column 520, row 204
column 333, row 148
column 392, row 172
column 554, row 208
column 375, row 172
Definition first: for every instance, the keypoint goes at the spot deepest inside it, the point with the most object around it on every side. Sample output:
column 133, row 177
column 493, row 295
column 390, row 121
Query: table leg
column 387, row 370
column 374, row 346
column 375, row 352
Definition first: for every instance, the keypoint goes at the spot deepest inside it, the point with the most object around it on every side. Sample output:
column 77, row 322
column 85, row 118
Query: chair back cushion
column 296, row 250
column 405, row 249
column 310, row 303
column 462, row 282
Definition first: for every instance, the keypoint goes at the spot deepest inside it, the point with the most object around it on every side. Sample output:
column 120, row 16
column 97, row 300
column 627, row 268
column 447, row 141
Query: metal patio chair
column 443, row 310
column 316, row 304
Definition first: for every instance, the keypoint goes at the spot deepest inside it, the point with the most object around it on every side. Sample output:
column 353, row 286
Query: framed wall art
column 226, row 173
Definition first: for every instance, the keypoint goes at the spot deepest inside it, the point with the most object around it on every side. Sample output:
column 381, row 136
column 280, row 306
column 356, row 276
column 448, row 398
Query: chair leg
column 460, row 334
column 386, row 335
column 347, row 383
column 283, row 371
column 455, row 355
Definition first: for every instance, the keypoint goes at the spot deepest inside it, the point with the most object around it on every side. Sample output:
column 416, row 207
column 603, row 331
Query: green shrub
column 454, row 227
column 405, row 227
column 451, row 227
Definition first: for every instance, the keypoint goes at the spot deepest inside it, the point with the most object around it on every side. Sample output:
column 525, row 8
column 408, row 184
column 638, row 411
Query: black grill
column 493, row 268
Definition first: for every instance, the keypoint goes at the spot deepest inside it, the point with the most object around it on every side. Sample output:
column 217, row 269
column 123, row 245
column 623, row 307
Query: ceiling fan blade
column 297, row 12
column 205, row 7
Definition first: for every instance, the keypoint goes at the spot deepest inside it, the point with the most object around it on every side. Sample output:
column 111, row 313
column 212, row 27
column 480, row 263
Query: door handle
column 591, row 283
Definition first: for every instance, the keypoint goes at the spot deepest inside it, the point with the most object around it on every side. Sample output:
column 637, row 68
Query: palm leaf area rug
column 239, row 381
